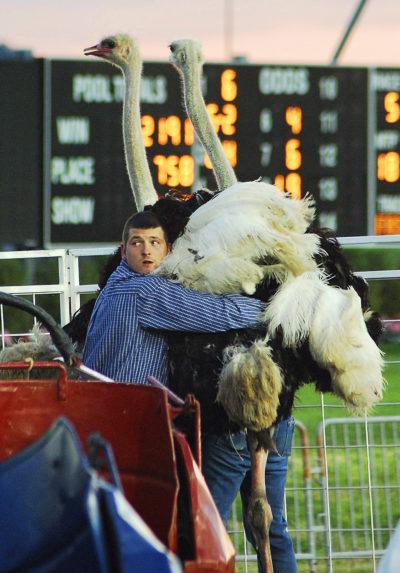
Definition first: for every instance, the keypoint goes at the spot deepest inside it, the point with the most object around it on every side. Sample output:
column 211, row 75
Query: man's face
column 145, row 249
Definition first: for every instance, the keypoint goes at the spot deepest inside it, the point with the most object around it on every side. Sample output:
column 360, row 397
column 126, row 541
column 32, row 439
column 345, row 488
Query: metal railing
column 343, row 489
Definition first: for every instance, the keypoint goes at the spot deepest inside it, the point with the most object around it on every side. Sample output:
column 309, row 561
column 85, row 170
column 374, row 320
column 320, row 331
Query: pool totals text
column 330, row 132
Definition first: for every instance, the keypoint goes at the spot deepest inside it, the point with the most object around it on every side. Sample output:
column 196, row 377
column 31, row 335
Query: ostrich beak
column 97, row 50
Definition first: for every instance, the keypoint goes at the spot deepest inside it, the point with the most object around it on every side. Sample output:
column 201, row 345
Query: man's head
column 144, row 242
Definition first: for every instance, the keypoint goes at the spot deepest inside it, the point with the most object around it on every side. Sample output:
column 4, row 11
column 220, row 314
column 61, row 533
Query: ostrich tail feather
column 339, row 341
column 293, row 306
column 332, row 320
column 249, row 386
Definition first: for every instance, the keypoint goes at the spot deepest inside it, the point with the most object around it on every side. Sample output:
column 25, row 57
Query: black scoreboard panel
column 305, row 129
column 20, row 154
column 89, row 195
column 385, row 88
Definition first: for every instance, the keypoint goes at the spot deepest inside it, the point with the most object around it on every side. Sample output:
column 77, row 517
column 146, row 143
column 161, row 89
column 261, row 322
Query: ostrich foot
column 260, row 517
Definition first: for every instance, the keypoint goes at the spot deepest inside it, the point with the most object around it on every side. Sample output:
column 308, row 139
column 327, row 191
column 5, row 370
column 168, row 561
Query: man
column 126, row 343
column 125, row 339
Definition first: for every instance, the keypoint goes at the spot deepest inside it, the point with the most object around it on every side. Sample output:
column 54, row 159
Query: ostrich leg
column 259, row 511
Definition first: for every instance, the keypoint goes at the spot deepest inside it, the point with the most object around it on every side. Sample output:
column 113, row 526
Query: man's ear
column 169, row 247
column 123, row 252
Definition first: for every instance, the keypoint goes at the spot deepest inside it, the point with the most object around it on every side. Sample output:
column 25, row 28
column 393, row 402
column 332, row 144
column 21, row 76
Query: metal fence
column 343, row 489
column 342, row 495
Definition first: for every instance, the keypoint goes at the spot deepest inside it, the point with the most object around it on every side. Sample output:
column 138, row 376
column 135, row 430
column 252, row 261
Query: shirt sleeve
column 165, row 305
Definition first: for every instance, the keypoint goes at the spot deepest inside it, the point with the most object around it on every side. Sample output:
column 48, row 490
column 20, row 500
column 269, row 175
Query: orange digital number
column 148, row 129
column 228, row 119
column 224, row 121
column 174, row 171
column 387, row 224
column 169, row 128
column 230, row 149
column 293, row 157
column 292, row 183
column 388, row 166
column 279, row 181
column 294, row 119
column 392, row 107
column 229, row 86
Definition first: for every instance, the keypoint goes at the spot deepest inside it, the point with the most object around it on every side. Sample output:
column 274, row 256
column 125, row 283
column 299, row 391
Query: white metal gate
column 343, row 490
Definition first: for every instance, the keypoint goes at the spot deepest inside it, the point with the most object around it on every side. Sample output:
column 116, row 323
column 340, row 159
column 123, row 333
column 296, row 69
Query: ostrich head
column 120, row 50
column 183, row 51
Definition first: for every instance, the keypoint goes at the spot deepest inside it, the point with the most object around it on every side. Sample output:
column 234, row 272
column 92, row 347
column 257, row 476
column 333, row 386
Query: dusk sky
column 270, row 31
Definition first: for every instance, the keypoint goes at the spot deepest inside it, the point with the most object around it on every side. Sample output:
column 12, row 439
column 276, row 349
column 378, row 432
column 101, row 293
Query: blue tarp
column 57, row 515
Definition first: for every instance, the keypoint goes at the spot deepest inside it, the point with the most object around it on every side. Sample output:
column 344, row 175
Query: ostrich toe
column 260, row 518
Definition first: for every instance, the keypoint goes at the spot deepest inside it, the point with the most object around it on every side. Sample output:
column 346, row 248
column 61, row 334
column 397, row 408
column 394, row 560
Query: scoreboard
column 304, row 130
column 331, row 132
column 385, row 87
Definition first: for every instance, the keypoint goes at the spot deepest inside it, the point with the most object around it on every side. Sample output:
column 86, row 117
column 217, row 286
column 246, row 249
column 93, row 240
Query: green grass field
column 308, row 402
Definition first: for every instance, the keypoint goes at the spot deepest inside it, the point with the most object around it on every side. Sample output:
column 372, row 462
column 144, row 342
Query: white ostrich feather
column 293, row 307
column 225, row 239
column 343, row 346
column 332, row 320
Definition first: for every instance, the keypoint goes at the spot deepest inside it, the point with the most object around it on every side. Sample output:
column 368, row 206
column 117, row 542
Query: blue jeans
column 226, row 468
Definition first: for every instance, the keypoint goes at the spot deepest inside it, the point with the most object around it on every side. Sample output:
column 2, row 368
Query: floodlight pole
column 348, row 31
column 228, row 29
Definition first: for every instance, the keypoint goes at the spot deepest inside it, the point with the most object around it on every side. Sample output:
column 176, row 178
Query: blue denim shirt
column 124, row 340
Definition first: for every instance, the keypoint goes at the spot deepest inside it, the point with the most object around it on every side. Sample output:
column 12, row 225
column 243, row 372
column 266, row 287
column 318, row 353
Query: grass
column 308, row 402
column 351, row 504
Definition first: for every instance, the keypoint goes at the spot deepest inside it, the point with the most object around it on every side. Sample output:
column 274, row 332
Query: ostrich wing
column 247, row 232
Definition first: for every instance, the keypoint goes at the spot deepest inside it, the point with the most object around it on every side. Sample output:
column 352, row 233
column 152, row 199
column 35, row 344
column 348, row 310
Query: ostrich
column 210, row 235
column 122, row 51
column 296, row 325
column 289, row 256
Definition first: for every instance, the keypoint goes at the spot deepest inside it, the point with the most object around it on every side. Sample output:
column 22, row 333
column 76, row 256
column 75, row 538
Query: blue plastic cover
column 57, row 516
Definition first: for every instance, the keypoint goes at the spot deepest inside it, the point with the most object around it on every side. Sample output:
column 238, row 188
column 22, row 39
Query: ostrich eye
column 108, row 44
column 172, row 48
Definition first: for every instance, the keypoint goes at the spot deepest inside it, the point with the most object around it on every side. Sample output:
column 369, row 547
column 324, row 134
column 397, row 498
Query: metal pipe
column 348, row 31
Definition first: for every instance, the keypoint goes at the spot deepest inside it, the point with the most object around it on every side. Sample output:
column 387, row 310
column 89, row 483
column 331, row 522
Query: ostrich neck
column 197, row 112
column 135, row 153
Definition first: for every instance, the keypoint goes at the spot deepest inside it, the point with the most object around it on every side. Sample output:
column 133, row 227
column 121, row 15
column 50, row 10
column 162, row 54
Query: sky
column 268, row 31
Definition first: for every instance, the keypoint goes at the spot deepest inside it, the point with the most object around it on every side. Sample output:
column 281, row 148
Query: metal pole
column 371, row 153
column 348, row 32
column 228, row 29
column 46, row 131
